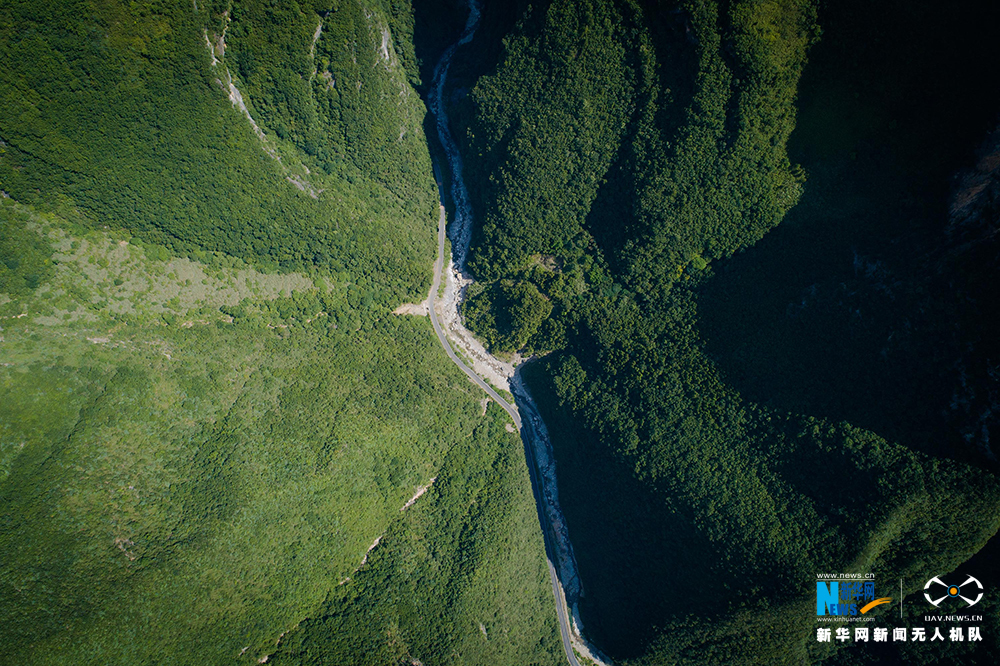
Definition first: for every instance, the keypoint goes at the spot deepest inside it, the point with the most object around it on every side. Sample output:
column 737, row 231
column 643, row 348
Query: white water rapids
column 461, row 226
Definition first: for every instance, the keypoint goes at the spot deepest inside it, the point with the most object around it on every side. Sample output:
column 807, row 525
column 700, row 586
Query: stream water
column 500, row 373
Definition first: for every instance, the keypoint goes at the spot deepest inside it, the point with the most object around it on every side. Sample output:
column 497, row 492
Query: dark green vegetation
column 338, row 99
column 114, row 113
column 24, row 256
column 508, row 313
column 197, row 451
column 734, row 413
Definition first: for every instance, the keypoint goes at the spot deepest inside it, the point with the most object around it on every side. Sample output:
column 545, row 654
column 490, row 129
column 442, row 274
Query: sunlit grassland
column 181, row 484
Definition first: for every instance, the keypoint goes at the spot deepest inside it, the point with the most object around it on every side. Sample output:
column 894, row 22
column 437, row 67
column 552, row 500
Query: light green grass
column 179, row 487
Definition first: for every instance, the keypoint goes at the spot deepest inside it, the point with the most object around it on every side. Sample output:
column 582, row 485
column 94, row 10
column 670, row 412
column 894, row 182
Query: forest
column 135, row 127
column 753, row 360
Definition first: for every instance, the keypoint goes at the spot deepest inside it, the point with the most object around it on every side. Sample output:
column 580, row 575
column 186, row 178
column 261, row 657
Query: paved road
column 562, row 612
column 435, row 286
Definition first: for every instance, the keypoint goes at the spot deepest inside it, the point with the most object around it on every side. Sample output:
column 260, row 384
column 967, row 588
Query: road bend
column 525, row 429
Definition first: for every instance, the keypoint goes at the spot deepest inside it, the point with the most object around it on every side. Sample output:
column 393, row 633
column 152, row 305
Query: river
column 447, row 322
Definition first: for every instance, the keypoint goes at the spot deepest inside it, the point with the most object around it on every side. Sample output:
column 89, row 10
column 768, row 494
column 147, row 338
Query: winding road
column 443, row 338
column 562, row 610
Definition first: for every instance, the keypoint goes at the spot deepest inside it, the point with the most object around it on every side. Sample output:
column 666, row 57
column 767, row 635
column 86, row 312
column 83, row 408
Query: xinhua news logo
column 846, row 597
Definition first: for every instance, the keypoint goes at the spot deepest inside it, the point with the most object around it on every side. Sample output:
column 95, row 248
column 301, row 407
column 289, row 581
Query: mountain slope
column 727, row 425
column 208, row 413
column 119, row 113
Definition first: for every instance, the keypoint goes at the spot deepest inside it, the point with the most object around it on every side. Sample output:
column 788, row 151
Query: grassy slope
column 458, row 579
column 195, row 452
column 181, row 487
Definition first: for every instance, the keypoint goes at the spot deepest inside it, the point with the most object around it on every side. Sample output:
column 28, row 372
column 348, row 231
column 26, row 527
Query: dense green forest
column 736, row 405
column 116, row 112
